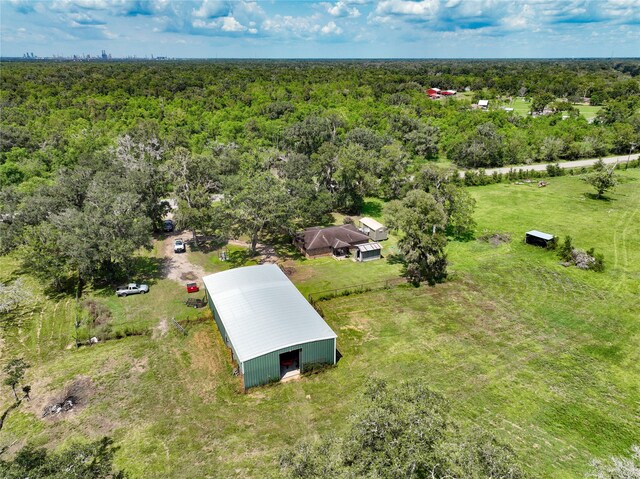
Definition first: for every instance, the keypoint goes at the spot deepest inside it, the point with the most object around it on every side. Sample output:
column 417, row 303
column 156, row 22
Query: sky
column 322, row 29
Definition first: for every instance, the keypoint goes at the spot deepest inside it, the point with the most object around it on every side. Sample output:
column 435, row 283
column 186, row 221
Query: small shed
column 373, row 229
column 538, row 238
column 270, row 328
column 368, row 252
column 483, row 104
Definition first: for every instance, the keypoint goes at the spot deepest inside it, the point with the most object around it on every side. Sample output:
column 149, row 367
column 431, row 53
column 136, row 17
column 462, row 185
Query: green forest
column 89, row 150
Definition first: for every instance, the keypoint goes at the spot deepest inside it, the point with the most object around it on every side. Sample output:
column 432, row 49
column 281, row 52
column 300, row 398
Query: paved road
column 567, row 164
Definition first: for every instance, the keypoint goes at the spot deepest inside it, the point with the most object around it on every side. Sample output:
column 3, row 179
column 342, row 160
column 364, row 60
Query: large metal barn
column 271, row 329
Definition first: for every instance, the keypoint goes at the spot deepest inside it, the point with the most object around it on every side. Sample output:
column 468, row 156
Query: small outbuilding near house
column 373, row 229
column 333, row 240
column 368, row 252
column 269, row 326
column 483, row 104
column 538, row 238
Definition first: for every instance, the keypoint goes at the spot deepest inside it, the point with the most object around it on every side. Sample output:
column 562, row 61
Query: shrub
column 98, row 312
column 554, row 170
column 597, row 264
column 566, row 249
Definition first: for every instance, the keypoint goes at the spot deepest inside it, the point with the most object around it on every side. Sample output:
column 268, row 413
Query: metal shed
column 373, row 229
column 271, row 329
column 538, row 238
column 368, row 252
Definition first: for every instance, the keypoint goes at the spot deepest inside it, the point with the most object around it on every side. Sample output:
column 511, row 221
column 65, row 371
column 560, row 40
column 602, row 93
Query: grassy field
column 547, row 357
column 522, row 107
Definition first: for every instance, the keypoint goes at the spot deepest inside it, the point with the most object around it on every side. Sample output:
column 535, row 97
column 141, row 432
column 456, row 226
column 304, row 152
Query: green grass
column 211, row 261
column 588, row 111
column 546, row 357
column 522, row 107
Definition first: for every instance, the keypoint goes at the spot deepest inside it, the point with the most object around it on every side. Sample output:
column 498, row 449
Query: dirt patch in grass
column 495, row 239
column 295, row 272
column 207, row 360
column 204, row 354
column 161, row 329
column 73, row 398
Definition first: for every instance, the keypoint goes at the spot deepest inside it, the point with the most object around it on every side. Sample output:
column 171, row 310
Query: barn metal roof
column 369, row 246
column 262, row 311
column 371, row 223
column 540, row 234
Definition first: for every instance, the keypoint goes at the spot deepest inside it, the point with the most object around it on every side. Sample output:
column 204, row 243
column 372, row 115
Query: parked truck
column 132, row 288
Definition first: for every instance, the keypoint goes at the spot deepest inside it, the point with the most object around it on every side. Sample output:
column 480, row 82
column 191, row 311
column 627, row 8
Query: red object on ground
column 192, row 288
column 287, row 363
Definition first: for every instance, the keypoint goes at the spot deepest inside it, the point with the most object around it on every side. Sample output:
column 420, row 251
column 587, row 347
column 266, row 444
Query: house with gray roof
column 338, row 241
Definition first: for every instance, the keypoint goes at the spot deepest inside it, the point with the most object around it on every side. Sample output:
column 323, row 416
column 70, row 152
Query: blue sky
column 319, row 29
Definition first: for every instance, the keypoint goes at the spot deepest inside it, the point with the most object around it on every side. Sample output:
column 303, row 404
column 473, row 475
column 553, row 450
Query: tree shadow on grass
column 395, row 258
column 594, row 196
column 207, row 244
column 372, row 208
column 141, row 269
column 239, row 258
column 289, row 252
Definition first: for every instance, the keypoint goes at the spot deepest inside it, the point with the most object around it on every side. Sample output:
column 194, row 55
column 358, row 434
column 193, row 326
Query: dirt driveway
column 177, row 265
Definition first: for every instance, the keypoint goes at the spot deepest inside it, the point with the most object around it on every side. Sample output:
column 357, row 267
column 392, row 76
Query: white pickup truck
column 132, row 288
column 179, row 246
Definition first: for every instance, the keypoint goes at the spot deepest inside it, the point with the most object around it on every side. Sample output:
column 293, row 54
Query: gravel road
column 567, row 164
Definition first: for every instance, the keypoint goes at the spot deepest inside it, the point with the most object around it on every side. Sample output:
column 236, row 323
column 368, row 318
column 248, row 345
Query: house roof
column 371, row 223
column 540, row 234
column 369, row 247
column 262, row 311
column 483, row 103
column 346, row 235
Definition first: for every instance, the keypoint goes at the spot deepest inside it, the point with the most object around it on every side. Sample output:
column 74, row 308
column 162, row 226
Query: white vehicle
column 132, row 288
column 179, row 246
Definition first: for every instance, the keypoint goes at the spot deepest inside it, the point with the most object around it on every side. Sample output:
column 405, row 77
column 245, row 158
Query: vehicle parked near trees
column 132, row 288
column 179, row 246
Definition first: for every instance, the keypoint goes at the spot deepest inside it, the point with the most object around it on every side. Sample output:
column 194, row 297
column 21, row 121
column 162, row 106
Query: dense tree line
column 56, row 113
column 262, row 149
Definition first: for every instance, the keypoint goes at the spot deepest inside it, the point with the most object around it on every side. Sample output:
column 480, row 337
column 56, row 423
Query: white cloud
column 230, row 24
column 227, row 24
column 301, row 27
column 331, row 29
column 423, row 8
column 341, row 9
column 211, row 9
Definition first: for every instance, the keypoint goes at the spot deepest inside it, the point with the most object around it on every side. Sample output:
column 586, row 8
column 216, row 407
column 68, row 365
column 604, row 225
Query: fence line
column 316, row 296
column 177, row 325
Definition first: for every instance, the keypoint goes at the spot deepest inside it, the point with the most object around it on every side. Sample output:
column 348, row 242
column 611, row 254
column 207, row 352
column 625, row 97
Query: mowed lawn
column 522, row 107
column 546, row 357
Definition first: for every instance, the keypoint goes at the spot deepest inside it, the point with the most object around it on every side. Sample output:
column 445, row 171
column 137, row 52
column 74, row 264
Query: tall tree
column 14, row 371
column 262, row 206
column 422, row 221
column 602, row 178
column 457, row 203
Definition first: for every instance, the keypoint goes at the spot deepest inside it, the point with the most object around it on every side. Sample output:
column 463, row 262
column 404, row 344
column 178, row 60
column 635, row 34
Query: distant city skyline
column 318, row 29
